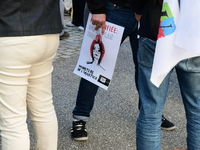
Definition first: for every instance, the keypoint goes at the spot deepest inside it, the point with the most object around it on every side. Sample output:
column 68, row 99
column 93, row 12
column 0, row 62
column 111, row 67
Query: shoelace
column 80, row 126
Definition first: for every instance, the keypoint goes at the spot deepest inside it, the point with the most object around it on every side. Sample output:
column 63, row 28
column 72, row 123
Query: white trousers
column 25, row 87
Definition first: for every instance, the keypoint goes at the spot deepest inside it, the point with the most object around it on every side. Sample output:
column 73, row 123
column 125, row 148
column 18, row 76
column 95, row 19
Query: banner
column 98, row 53
column 178, row 37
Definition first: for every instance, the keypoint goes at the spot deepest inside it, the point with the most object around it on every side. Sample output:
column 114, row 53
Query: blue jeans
column 152, row 99
column 87, row 91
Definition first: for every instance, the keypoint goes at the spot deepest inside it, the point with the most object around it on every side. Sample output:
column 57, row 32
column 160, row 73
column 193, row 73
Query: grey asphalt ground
column 112, row 122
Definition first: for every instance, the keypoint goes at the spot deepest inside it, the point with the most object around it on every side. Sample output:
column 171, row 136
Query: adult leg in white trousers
column 25, row 87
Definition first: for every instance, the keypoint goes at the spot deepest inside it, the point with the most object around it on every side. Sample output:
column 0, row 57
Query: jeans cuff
column 84, row 118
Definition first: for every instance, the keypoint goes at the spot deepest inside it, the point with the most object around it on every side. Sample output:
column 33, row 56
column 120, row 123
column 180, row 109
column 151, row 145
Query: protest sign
column 98, row 53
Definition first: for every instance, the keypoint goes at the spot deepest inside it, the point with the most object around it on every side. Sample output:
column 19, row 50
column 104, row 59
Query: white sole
column 81, row 139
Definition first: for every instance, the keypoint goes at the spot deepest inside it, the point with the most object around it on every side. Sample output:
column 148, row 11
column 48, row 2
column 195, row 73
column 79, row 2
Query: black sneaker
column 78, row 131
column 64, row 36
column 167, row 125
column 67, row 12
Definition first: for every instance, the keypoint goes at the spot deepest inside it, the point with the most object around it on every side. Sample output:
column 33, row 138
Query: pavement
column 112, row 122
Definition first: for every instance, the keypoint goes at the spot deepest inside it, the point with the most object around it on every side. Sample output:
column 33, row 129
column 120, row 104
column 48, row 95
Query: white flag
column 178, row 39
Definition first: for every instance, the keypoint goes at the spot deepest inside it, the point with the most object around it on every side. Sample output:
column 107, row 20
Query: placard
column 99, row 53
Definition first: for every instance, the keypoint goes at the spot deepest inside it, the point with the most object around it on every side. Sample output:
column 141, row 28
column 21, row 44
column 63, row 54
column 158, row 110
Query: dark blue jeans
column 78, row 12
column 87, row 91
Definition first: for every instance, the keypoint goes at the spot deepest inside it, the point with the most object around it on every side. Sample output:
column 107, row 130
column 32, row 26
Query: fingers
column 103, row 28
column 98, row 25
column 100, row 21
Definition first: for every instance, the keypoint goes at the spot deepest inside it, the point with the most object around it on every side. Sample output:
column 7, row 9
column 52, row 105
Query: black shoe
column 167, row 125
column 67, row 12
column 65, row 35
column 78, row 131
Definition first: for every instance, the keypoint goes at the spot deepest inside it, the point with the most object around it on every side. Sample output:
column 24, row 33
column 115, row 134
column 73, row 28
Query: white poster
column 178, row 37
column 98, row 54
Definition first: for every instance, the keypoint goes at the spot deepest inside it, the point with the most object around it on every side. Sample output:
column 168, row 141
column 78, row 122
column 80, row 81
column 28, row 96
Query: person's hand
column 100, row 21
column 138, row 17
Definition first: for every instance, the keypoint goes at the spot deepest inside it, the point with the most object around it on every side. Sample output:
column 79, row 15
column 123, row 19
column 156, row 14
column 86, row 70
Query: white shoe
column 81, row 28
column 70, row 24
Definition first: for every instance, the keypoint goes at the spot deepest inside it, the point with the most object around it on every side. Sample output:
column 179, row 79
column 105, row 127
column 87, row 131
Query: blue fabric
column 86, row 94
column 152, row 99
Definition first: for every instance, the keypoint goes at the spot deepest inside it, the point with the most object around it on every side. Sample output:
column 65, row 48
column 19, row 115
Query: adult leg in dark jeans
column 87, row 90
column 77, row 13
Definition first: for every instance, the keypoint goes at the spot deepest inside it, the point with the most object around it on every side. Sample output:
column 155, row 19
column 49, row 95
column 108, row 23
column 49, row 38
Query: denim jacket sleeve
column 96, row 6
